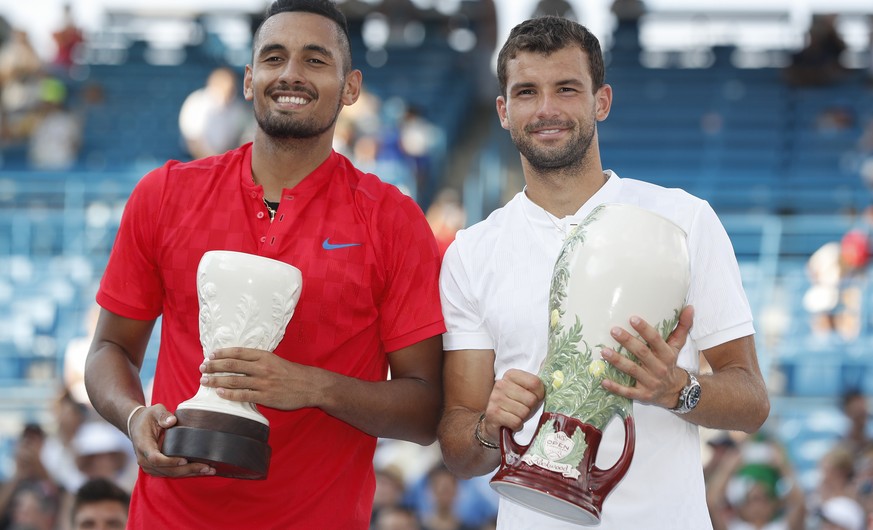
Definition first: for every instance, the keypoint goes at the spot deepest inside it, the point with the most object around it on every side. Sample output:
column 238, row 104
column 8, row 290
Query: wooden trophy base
column 235, row 446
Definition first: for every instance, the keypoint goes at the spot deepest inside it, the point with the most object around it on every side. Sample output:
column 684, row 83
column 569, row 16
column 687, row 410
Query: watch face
column 693, row 397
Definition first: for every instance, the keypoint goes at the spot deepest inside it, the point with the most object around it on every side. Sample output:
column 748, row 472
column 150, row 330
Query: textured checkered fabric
column 370, row 271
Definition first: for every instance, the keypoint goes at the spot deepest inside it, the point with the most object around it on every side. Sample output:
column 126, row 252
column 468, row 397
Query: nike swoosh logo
column 327, row 245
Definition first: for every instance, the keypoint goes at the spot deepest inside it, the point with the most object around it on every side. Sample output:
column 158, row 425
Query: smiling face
column 550, row 108
column 298, row 79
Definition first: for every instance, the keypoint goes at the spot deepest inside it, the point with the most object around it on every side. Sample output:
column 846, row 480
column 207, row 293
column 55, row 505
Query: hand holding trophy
column 620, row 261
column 245, row 300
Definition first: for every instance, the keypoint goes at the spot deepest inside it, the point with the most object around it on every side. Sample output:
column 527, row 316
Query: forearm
column 402, row 408
column 113, row 384
column 732, row 399
column 462, row 453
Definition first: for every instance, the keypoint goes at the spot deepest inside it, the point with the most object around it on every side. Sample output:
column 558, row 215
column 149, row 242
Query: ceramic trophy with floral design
column 245, row 301
column 620, row 261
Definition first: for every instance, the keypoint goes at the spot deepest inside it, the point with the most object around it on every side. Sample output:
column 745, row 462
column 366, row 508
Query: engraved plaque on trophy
column 245, row 301
column 620, row 261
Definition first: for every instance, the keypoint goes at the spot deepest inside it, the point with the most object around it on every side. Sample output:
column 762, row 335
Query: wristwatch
column 689, row 396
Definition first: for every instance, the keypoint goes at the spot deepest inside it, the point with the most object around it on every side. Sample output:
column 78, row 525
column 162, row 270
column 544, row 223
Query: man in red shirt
column 369, row 301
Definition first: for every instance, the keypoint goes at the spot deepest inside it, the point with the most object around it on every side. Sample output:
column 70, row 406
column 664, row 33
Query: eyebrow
column 531, row 84
column 269, row 48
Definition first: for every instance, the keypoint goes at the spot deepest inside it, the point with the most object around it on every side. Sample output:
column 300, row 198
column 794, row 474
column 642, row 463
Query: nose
column 548, row 106
column 292, row 73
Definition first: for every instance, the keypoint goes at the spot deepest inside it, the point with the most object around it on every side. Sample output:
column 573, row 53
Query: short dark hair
column 98, row 490
column 324, row 8
column 549, row 34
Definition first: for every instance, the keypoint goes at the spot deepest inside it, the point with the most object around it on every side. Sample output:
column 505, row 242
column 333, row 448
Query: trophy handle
column 509, row 447
column 602, row 481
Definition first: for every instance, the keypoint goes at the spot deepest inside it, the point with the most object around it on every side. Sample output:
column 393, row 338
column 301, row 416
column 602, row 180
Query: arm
column 406, row 407
column 470, row 390
column 114, row 387
column 734, row 396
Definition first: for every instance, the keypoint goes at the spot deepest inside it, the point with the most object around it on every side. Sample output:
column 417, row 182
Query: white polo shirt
column 495, row 287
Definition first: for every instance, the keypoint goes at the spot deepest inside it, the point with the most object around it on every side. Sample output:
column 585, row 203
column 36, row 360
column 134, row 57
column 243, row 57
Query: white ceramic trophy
column 620, row 261
column 245, row 301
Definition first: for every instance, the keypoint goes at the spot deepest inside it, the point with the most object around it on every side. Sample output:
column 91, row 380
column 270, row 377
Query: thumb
column 679, row 336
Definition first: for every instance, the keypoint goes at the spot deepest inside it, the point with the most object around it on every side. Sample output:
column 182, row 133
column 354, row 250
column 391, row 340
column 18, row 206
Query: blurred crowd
column 60, row 468
column 38, row 111
column 751, row 481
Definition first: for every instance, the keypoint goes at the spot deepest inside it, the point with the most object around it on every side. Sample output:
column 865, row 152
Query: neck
column 562, row 192
column 279, row 164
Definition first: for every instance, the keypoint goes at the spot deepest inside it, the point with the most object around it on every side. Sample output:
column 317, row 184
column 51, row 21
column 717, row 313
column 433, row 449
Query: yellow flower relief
column 555, row 317
column 557, row 379
column 597, row 367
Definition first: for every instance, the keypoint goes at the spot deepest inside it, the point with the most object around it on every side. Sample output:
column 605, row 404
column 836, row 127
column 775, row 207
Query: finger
column 677, row 338
column 233, row 366
column 647, row 332
column 526, row 380
column 161, row 465
column 243, row 395
column 228, row 381
column 243, row 354
column 632, row 344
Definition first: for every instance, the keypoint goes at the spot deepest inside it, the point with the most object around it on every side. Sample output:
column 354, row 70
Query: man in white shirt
column 495, row 288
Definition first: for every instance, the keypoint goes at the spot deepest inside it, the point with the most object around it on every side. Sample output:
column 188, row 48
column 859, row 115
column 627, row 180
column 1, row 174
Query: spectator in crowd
column 56, row 137
column 213, row 119
column 397, row 518
column 857, row 438
column 836, row 476
column 754, row 487
column 99, row 504
column 863, row 484
column 446, row 216
column 829, row 300
column 21, row 76
column 390, row 488
column 442, row 486
column 29, row 498
column 818, row 62
column 842, row 513
column 102, row 451
column 58, row 455
column 75, row 355
column 421, row 141
column 67, row 39
column 466, row 502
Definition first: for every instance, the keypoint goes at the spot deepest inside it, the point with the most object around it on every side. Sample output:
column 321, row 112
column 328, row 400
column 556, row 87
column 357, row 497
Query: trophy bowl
column 245, row 301
column 621, row 260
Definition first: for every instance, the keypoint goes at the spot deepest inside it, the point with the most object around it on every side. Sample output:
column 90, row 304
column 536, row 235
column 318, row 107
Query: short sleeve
column 410, row 309
column 131, row 285
column 465, row 325
column 721, row 309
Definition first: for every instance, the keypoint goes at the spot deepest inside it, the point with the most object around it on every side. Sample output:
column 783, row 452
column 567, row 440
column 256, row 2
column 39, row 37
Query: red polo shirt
column 370, row 286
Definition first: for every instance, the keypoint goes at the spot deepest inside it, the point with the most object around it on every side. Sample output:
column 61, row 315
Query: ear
column 248, row 92
column 604, row 102
column 502, row 112
column 352, row 88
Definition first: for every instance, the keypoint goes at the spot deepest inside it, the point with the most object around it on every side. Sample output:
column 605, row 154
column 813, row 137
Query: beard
column 551, row 158
column 283, row 126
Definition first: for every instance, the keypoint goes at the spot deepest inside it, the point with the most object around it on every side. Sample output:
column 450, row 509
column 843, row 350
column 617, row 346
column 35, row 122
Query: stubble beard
column 282, row 126
column 559, row 159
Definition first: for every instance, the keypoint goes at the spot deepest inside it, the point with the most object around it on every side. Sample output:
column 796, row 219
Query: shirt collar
column 609, row 192
column 311, row 183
